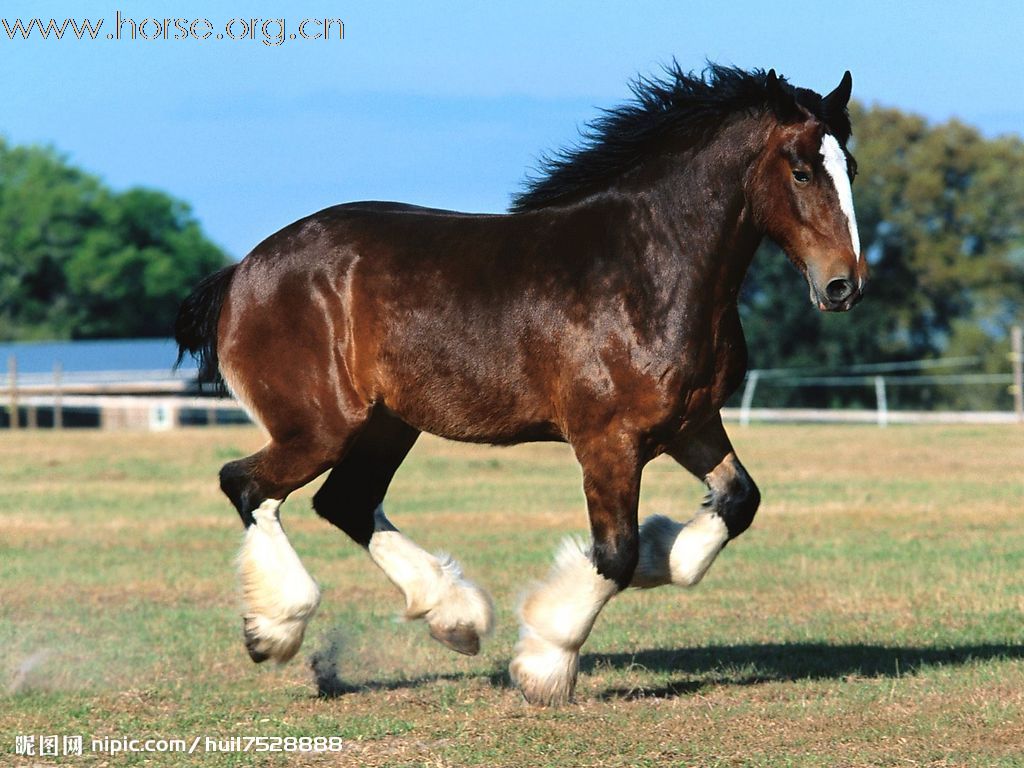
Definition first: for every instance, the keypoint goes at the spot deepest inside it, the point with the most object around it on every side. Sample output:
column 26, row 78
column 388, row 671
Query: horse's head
column 800, row 195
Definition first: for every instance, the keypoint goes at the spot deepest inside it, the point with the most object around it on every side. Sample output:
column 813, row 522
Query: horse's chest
column 712, row 370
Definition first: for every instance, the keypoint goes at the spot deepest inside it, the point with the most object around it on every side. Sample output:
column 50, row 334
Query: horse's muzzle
column 839, row 295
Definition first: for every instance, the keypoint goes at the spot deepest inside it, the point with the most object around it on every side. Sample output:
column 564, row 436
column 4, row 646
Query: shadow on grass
column 698, row 668
column 331, row 685
column 752, row 664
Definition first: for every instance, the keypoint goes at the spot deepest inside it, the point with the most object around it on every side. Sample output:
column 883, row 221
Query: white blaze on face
column 835, row 166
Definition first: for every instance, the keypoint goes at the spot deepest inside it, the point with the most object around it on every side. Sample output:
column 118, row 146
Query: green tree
column 45, row 207
column 78, row 260
column 128, row 276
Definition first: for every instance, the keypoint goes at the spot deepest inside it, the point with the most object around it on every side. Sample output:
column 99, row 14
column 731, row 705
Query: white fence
column 878, row 378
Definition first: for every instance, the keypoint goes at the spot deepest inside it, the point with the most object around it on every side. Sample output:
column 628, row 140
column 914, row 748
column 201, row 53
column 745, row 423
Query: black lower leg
column 737, row 502
column 616, row 557
column 357, row 484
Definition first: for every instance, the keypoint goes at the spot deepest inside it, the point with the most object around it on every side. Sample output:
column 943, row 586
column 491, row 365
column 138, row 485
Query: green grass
column 871, row 616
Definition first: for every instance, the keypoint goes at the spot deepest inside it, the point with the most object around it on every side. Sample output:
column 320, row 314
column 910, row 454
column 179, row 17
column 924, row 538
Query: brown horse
column 601, row 311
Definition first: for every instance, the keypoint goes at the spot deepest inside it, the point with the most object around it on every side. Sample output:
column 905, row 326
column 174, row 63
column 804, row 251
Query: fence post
column 1017, row 356
column 58, row 396
column 12, row 375
column 883, row 406
column 748, row 396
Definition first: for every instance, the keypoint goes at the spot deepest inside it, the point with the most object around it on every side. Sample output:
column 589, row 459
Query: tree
column 128, row 277
column 78, row 260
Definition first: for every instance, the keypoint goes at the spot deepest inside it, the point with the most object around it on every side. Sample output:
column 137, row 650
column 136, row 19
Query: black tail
column 195, row 329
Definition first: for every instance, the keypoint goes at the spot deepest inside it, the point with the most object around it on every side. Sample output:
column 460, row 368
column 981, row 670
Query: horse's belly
column 471, row 409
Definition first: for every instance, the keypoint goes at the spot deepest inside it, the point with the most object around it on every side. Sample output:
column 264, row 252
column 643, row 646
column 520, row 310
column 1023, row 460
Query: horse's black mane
column 679, row 105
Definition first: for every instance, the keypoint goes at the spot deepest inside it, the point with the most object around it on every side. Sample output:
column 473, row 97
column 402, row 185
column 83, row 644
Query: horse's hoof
column 264, row 640
column 257, row 656
column 462, row 614
column 544, row 672
column 252, row 643
column 460, row 638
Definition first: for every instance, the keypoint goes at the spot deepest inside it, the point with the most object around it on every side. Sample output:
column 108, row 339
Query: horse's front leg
column 681, row 553
column 557, row 617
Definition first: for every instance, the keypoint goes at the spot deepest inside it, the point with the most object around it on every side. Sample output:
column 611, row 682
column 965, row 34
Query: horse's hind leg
column 457, row 611
column 280, row 596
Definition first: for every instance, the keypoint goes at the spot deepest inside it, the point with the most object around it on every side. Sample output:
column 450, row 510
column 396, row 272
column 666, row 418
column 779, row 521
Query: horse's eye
column 801, row 177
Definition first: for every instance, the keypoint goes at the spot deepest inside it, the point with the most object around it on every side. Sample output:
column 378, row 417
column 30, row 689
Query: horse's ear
column 781, row 97
column 836, row 101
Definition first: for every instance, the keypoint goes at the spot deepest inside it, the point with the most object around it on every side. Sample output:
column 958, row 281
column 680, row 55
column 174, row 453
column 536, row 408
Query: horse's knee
column 616, row 559
column 738, row 503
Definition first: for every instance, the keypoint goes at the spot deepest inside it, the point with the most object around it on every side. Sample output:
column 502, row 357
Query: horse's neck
column 703, row 209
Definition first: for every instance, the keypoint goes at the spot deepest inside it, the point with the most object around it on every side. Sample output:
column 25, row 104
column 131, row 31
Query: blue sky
column 448, row 103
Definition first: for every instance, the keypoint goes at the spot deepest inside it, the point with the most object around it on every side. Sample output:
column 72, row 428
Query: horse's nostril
column 839, row 289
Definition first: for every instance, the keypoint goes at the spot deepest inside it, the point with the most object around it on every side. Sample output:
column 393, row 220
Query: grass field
column 871, row 616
